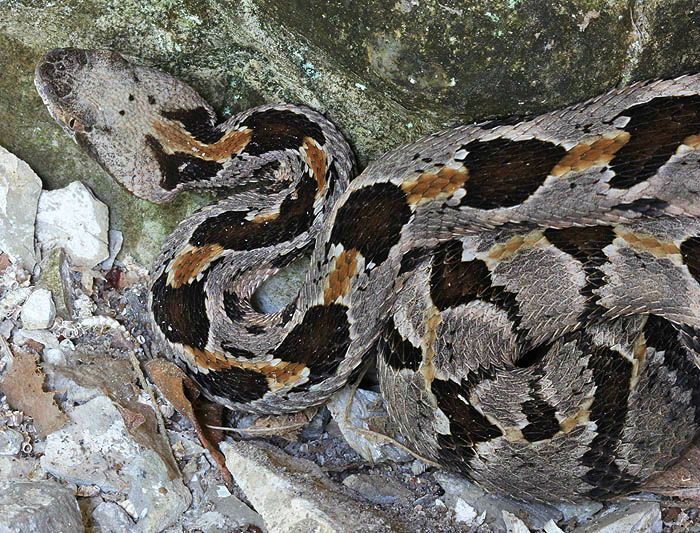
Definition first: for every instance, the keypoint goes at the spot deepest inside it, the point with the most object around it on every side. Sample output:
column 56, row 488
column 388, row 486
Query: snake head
column 116, row 111
column 64, row 78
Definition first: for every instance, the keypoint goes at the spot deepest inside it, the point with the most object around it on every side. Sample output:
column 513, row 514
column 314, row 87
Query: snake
column 529, row 288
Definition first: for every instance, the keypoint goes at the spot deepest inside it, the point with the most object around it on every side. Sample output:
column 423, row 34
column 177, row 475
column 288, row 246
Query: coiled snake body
column 530, row 289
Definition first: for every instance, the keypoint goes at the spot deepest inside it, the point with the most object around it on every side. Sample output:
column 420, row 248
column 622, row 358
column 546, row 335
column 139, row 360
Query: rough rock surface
column 73, row 219
column 19, row 195
column 385, row 72
column 630, row 517
column 96, row 449
column 294, row 495
column 38, row 310
column 44, row 507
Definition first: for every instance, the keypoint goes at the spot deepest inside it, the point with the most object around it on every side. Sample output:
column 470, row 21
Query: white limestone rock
column 294, row 495
column 73, row 219
column 19, row 195
column 38, row 311
column 630, row 517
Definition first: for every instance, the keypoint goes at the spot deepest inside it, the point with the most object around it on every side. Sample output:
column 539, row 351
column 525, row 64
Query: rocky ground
column 87, row 444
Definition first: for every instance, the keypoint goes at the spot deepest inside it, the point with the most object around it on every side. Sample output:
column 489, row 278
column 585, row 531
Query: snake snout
column 56, row 71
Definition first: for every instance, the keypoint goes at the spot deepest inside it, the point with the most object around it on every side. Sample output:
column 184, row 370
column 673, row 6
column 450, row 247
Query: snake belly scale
column 530, row 289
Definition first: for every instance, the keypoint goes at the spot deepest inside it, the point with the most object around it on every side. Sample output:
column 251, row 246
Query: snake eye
column 76, row 125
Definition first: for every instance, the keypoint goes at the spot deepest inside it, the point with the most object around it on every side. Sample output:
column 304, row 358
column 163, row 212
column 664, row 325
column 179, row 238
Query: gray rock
column 19, row 195
column 10, row 441
column 6, row 327
column 88, row 450
column 96, row 449
column 47, row 338
column 20, row 469
column 581, row 511
column 73, row 219
column 53, row 276
column 418, row 467
column 12, row 300
column 551, row 527
column 38, row 310
column 631, row 517
column 513, row 523
column 116, row 239
column 42, row 507
column 280, row 289
column 227, row 513
column 294, row 495
column 377, row 489
column 157, row 500
column 367, row 411
column 108, row 517
column 493, row 505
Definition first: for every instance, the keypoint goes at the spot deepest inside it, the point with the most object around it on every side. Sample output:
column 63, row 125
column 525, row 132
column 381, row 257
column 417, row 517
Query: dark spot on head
column 504, row 173
column 121, row 112
column 318, row 342
column 234, row 232
column 657, row 128
column 131, row 98
column 412, row 259
column 198, row 123
column 179, row 168
column 151, row 100
column 398, row 352
column 371, row 220
column 277, row 129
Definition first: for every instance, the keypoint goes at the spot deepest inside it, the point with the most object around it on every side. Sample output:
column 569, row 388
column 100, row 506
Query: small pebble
column 418, row 467
column 38, row 310
column 10, row 442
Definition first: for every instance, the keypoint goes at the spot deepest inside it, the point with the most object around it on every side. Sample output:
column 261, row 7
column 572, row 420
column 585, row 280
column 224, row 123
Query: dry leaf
column 23, row 385
column 183, row 394
column 289, row 427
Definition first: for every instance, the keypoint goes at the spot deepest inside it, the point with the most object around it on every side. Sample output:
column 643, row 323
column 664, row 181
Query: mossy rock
column 385, row 72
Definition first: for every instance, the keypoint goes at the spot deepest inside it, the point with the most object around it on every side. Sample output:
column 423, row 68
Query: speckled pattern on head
column 530, row 289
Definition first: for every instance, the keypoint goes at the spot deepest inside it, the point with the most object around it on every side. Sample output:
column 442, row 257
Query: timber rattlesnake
column 530, row 289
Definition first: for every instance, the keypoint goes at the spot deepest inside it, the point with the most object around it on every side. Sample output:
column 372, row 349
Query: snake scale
column 530, row 288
